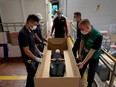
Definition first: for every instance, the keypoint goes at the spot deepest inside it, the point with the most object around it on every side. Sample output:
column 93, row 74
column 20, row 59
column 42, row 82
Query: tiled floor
column 12, row 83
column 12, row 73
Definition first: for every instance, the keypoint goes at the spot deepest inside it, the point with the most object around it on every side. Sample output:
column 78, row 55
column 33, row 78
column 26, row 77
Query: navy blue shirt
column 26, row 39
column 39, row 34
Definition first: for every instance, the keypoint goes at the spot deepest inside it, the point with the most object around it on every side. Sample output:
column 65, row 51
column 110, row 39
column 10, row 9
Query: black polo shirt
column 59, row 26
column 26, row 38
column 78, row 34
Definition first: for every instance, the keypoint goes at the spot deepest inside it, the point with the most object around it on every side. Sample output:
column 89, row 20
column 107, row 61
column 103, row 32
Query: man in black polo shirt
column 77, row 17
column 60, row 26
column 28, row 49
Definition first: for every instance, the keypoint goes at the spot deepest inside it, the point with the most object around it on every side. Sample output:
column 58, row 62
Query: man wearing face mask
column 60, row 26
column 90, row 49
column 77, row 18
column 39, row 40
column 28, row 48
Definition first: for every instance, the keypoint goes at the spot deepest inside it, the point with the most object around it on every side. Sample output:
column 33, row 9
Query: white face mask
column 33, row 28
column 74, row 20
column 84, row 33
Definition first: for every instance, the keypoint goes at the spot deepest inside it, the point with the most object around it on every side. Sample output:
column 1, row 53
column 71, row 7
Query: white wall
column 105, row 15
column 18, row 10
column 49, row 19
column 34, row 6
column 11, row 11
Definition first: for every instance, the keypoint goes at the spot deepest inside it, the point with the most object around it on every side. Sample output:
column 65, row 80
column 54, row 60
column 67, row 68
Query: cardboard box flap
column 57, row 43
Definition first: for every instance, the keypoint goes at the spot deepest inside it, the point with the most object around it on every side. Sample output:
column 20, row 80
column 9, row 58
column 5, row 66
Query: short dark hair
column 32, row 17
column 77, row 13
column 85, row 22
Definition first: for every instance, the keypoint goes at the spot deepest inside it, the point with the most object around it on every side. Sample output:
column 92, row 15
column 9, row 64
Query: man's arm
column 62, row 57
column 36, row 47
column 80, row 49
column 39, row 52
column 66, row 27
column 96, row 45
column 89, row 55
column 37, row 38
column 24, row 43
column 52, row 58
column 28, row 52
column 52, row 28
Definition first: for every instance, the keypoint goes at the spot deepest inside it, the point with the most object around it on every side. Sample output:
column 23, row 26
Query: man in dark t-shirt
column 77, row 17
column 28, row 49
column 60, row 26
column 39, row 40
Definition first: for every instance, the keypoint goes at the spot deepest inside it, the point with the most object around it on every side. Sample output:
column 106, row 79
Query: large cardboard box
column 71, row 77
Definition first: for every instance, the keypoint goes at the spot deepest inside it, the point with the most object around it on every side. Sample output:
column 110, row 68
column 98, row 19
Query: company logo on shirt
column 62, row 20
column 90, row 40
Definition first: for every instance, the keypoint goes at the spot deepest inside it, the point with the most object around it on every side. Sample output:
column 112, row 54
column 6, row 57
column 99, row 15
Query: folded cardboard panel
column 107, row 84
column 57, row 43
column 57, row 82
column 71, row 77
column 12, row 38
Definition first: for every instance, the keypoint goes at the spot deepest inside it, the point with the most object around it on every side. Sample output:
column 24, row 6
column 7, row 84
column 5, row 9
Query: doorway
column 55, row 6
column 1, row 27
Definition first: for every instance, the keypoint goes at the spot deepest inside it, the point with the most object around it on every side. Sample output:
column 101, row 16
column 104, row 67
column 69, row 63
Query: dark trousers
column 93, row 63
column 31, row 70
column 57, row 69
column 76, row 48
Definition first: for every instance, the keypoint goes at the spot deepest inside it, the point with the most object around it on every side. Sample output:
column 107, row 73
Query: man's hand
column 80, row 65
column 37, row 59
column 45, row 43
column 51, row 34
column 61, row 59
column 40, row 53
column 53, row 59
column 67, row 35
